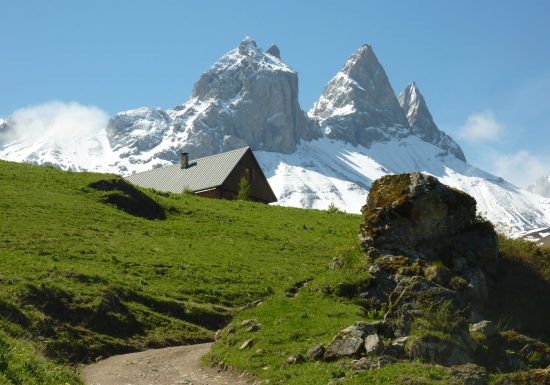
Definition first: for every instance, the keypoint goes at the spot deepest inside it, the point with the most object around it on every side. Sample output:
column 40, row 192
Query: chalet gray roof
column 202, row 174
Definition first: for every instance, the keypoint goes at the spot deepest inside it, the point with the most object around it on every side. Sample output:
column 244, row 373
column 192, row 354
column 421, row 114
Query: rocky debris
column 348, row 343
column 252, row 304
column 247, row 344
column 248, row 323
column 385, row 360
column 534, row 377
column 435, row 349
column 488, row 328
column 358, row 105
column 369, row 363
column 373, row 344
column 364, row 363
column 316, row 352
column 296, row 359
column 396, row 348
column 470, row 374
column 421, row 122
column 525, row 351
column 254, row 328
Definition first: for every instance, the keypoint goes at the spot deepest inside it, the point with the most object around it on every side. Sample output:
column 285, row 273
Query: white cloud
column 54, row 122
column 482, row 127
column 70, row 135
column 521, row 168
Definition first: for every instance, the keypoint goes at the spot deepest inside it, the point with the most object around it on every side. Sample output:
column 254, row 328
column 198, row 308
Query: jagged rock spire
column 274, row 51
column 421, row 122
column 358, row 105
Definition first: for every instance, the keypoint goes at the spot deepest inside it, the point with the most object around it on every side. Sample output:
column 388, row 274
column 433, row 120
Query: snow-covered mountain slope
column 328, row 171
column 356, row 132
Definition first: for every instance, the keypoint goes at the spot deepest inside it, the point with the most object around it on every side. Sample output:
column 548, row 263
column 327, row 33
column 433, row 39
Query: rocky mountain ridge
column 250, row 97
column 421, row 122
column 356, row 132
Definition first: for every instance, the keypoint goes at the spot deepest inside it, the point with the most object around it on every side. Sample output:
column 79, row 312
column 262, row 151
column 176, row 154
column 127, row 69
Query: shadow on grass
column 520, row 298
column 129, row 199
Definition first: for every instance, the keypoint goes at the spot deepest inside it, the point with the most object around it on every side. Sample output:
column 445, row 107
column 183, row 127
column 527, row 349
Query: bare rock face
column 358, row 105
column 274, row 51
column 247, row 98
column 421, row 122
column 415, row 212
column 138, row 130
column 263, row 92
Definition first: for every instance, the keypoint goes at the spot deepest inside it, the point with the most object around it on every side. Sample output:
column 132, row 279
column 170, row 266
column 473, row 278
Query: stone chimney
column 184, row 160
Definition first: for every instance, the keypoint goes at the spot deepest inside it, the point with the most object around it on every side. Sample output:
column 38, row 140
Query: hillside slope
column 92, row 266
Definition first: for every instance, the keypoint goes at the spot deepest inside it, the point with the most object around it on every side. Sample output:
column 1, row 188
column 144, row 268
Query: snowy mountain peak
column 358, row 105
column 421, row 122
column 249, row 47
column 247, row 98
column 357, row 132
column 364, row 68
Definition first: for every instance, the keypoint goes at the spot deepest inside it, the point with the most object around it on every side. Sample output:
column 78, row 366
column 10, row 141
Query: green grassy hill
column 85, row 274
column 91, row 266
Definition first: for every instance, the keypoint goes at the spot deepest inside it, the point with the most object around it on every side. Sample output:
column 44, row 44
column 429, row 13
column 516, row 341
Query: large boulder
column 415, row 213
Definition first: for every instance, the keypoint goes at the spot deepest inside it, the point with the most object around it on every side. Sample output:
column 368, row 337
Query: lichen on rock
column 430, row 261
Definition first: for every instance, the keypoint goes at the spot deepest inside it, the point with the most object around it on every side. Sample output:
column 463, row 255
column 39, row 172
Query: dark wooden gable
column 248, row 166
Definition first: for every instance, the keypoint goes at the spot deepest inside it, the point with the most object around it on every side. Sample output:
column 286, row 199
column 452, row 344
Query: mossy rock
column 416, row 213
column 532, row 377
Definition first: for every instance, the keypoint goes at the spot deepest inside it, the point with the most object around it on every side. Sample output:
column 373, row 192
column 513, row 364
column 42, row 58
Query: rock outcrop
column 430, row 265
column 416, row 213
column 421, row 122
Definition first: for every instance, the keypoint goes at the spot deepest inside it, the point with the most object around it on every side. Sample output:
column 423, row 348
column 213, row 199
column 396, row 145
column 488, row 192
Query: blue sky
column 483, row 66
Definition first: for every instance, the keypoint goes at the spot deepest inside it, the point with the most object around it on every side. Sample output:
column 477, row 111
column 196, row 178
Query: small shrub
column 244, row 189
column 333, row 209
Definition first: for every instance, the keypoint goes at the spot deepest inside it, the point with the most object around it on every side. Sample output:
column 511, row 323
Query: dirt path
column 179, row 365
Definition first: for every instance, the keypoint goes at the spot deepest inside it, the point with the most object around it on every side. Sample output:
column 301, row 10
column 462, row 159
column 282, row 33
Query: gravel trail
column 179, row 365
